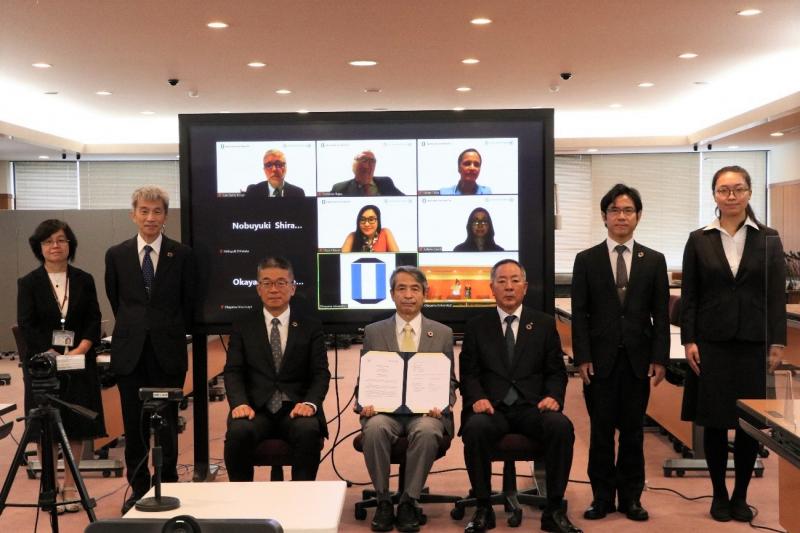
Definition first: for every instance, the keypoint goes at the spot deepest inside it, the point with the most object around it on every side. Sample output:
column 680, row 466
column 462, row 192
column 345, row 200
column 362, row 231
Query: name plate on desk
column 404, row 383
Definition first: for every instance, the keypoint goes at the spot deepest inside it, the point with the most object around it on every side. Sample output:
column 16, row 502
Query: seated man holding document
column 431, row 344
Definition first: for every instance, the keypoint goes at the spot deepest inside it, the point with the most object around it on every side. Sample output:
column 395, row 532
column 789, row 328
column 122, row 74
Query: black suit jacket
column 537, row 370
column 38, row 313
column 250, row 374
column 386, row 187
column 166, row 316
column 716, row 306
column 261, row 190
column 600, row 323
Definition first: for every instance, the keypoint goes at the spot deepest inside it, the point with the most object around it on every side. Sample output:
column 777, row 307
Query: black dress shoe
column 407, row 517
column 634, row 511
column 740, row 511
column 384, row 517
column 721, row 509
column 598, row 510
column 482, row 520
column 557, row 521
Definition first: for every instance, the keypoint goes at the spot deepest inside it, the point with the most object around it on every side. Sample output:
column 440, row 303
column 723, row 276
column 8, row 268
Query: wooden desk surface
column 6, row 408
column 774, row 413
column 299, row 506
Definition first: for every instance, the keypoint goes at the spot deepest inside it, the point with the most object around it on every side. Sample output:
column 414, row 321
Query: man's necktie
column 511, row 395
column 277, row 193
column 622, row 273
column 407, row 340
column 277, row 355
column 148, row 272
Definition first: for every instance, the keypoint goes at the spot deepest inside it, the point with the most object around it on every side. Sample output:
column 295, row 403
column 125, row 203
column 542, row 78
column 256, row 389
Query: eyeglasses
column 275, row 164
column 52, row 242
column 480, row 222
column 279, row 284
column 627, row 211
column 367, row 220
column 724, row 192
column 365, row 159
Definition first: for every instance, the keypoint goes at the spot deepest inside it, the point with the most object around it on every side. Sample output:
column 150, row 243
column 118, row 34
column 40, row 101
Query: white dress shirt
column 514, row 325
column 733, row 245
column 283, row 327
column 627, row 255
column 156, row 245
column 416, row 326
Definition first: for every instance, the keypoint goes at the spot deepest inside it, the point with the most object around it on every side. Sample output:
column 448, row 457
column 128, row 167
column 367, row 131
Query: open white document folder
column 395, row 382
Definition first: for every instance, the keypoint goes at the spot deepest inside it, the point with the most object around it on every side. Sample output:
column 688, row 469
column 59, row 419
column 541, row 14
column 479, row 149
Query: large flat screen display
column 347, row 197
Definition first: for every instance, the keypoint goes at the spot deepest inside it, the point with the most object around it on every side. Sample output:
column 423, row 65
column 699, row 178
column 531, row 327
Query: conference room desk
column 782, row 420
column 299, row 506
column 6, row 408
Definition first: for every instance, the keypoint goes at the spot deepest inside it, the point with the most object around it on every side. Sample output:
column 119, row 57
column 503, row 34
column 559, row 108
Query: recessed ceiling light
column 615, row 106
column 217, row 25
column 103, row 93
column 224, row 112
column 748, row 12
column 256, row 64
column 733, row 147
column 463, row 89
column 591, row 150
column 481, row 21
column 193, row 93
column 458, row 109
column 302, row 111
column 372, row 90
column 776, row 134
column 470, row 61
column 51, row 93
column 148, row 112
column 44, row 157
column 688, row 55
column 363, row 63
column 700, row 82
column 380, row 109
column 646, row 84
column 283, row 91
column 42, row 65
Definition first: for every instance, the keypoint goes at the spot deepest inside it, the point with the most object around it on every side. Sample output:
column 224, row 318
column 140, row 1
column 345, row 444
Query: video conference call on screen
column 343, row 245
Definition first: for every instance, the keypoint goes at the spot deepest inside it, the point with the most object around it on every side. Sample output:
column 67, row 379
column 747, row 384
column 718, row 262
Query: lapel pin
column 529, row 326
column 294, row 324
column 430, row 334
column 640, row 254
column 169, row 254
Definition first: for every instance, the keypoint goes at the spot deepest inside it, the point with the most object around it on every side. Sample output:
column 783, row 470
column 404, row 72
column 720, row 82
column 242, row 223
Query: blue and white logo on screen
column 365, row 280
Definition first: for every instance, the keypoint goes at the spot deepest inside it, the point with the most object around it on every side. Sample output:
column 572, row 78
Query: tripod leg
column 48, row 485
column 31, row 434
column 69, row 462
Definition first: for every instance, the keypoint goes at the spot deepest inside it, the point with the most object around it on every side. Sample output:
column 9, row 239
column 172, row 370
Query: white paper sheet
column 380, row 382
column 428, row 382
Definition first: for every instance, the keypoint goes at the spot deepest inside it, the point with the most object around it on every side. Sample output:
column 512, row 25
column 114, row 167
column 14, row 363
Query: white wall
column 784, row 163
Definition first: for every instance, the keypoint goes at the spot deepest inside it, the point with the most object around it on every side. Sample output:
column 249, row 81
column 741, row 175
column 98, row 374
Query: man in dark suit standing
column 276, row 377
column 365, row 182
column 620, row 339
column 150, row 285
column 513, row 379
column 275, row 185
column 407, row 331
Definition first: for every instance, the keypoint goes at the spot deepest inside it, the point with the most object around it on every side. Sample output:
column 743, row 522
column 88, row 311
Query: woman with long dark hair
column 370, row 235
column 733, row 329
column 480, row 233
column 57, row 312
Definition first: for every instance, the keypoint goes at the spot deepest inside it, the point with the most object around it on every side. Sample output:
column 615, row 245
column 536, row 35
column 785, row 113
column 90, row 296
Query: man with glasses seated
column 365, row 182
column 276, row 377
column 275, row 185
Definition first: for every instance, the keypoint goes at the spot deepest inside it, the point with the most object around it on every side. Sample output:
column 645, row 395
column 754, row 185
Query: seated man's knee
column 429, row 433
column 376, row 427
column 559, row 426
column 478, row 426
column 304, row 429
column 240, row 430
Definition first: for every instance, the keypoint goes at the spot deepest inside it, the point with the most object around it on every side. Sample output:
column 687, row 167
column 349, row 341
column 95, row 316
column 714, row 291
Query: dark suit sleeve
column 469, row 368
column 555, row 378
column 26, row 317
column 235, row 368
column 776, row 288
column 660, row 313
column 112, row 291
column 91, row 319
column 581, row 350
column 689, row 292
column 320, row 375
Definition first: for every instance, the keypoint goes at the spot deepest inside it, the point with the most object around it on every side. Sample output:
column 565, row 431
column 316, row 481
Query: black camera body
column 42, row 368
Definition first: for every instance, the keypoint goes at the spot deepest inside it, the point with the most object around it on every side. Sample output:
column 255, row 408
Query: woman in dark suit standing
column 57, row 311
column 733, row 329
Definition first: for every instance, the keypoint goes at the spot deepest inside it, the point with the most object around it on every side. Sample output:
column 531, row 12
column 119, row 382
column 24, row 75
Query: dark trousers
column 148, row 373
column 244, row 435
column 554, row 430
column 617, row 402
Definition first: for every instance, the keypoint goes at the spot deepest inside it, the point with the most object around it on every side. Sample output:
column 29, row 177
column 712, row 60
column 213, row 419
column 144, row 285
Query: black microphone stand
column 153, row 504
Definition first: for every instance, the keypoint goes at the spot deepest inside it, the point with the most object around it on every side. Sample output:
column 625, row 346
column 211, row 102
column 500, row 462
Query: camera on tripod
column 42, row 368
